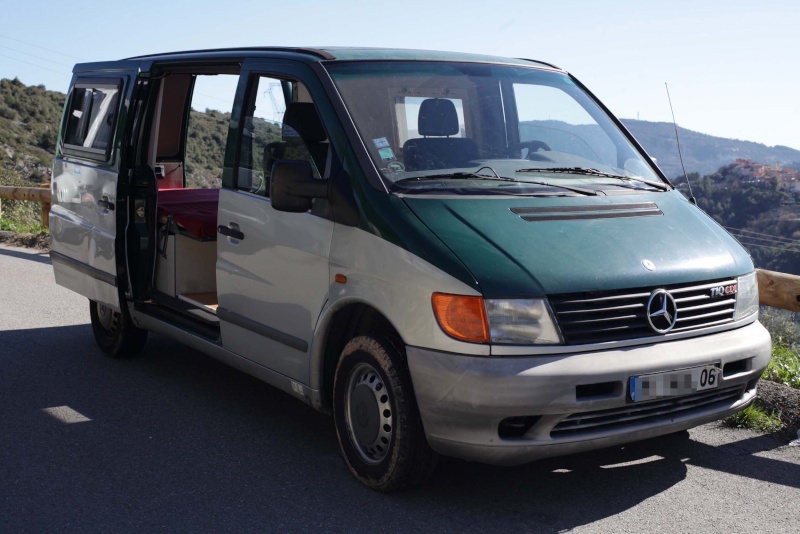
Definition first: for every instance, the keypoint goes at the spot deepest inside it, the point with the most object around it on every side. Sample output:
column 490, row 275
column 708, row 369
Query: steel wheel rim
column 365, row 419
column 108, row 318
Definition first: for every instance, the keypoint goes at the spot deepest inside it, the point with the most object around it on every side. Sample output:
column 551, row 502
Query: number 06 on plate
column 674, row 383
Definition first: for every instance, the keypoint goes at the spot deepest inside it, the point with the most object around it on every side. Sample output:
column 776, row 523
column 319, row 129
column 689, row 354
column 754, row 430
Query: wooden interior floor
column 206, row 299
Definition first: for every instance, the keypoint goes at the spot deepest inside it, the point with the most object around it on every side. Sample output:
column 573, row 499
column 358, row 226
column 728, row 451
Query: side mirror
column 294, row 187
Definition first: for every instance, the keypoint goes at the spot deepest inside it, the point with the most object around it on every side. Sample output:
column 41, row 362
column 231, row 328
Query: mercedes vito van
column 453, row 254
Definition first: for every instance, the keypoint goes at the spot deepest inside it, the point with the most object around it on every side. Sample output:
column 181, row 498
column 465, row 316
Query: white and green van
column 453, row 254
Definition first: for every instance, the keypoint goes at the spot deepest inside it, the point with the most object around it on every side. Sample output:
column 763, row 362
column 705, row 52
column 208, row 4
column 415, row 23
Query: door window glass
column 280, row 123
column 91, row 118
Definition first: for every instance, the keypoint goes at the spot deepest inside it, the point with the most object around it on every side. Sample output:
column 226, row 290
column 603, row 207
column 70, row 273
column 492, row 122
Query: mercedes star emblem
column 662, row 312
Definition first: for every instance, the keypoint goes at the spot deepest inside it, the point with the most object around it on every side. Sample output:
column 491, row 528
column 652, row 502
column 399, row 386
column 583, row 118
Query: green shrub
column 783, row 325
column 756, row 418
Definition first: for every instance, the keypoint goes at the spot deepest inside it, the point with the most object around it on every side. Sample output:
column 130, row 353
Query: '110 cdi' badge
column 721, row 291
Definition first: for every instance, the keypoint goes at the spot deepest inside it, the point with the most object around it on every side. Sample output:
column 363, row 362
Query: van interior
column 176, row 274
column 187, row 193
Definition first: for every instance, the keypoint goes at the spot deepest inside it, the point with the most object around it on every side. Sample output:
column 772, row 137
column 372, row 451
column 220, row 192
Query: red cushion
column 195, row 210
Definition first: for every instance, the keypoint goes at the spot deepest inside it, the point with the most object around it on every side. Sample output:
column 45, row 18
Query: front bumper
column 463, row 399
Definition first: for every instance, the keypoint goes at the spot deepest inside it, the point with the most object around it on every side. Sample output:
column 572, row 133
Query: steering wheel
column 532, row 146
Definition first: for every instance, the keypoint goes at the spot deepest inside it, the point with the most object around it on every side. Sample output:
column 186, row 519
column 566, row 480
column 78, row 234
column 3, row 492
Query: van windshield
column 464, row 127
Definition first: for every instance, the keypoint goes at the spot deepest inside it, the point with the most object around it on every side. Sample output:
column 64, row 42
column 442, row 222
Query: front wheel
column 377, row 422
column 114, row 331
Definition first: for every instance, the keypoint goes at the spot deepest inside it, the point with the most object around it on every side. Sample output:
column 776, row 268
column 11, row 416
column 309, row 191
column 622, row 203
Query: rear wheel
column 377, row 422
column 114, row 331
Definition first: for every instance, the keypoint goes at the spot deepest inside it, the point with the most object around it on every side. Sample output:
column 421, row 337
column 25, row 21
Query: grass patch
column 21, row 227
column 784, row 367
column 21, row 216
column 757, row 418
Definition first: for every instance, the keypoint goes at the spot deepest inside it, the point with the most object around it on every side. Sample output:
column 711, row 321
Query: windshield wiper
column 458, row 176
column 595, row 172
column 496, row 177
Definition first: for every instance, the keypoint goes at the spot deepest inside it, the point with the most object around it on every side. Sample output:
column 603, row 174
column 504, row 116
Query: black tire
column 377, row 422
column 114, row 332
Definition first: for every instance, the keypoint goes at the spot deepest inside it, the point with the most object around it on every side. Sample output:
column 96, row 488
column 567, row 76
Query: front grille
column 600, row 316
column 635, row 415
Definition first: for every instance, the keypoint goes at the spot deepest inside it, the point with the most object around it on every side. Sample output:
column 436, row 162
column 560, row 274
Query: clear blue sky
column 733, row 67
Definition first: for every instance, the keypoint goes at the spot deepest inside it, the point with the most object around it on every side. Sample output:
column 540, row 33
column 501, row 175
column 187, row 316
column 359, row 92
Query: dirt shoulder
column 37, row 241
column 783, row 400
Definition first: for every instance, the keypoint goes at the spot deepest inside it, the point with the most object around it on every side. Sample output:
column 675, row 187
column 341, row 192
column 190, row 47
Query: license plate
column 674, row 383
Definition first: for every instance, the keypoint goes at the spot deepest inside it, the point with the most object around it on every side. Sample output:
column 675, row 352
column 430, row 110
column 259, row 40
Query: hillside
column 29, row 118
column 205, row 147
column 758, row 203
column 759, row 206
column 702, row 153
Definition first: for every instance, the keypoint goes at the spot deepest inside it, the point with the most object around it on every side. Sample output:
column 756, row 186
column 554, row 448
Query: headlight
column 521, row 322
column 500, row 321
column 746, row 296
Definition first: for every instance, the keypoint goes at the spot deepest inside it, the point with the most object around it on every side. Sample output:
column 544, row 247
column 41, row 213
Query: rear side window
column 91, row 119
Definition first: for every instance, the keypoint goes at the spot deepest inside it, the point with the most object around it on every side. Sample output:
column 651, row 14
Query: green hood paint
column 510, row 257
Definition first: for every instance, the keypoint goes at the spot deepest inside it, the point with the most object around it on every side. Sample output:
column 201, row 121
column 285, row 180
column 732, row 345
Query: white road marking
column 65, row 414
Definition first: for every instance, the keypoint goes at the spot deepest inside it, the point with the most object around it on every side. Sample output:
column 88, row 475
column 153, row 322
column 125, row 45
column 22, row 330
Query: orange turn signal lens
column 461, row 317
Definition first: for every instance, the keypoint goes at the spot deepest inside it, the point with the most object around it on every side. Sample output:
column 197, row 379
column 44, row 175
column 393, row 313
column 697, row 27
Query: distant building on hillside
column 750, row 171
column 782, row 174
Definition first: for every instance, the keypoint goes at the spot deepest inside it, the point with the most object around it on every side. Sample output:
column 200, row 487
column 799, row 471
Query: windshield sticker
column 381, row 142
column 386, row 154
column 395, row 166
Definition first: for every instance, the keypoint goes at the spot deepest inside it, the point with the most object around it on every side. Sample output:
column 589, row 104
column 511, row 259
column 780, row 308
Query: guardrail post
column 46, row 209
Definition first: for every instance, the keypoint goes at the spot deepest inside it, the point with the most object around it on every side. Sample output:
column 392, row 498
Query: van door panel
column 83, row 229
column 273, row 274
column 272, row 283
column 84, row 212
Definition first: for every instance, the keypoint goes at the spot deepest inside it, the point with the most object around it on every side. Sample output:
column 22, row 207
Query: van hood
column 539, row 246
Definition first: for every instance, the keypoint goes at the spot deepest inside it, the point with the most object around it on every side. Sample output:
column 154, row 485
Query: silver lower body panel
column 464, row 399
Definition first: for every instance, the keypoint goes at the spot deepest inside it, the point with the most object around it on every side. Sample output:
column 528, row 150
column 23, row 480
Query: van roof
column 314, row 54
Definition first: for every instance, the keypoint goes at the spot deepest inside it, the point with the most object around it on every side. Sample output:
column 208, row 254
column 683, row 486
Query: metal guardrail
column 31, row 194
column 778, row 290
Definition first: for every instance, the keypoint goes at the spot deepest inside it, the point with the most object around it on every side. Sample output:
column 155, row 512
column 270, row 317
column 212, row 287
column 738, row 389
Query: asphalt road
column 175, row 441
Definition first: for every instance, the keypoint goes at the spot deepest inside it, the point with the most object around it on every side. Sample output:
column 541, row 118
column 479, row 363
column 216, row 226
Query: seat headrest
column 437, row 116
column 301, row 120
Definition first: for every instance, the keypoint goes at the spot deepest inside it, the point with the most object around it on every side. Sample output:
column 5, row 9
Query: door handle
column 105, row 204
column 230, row 232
